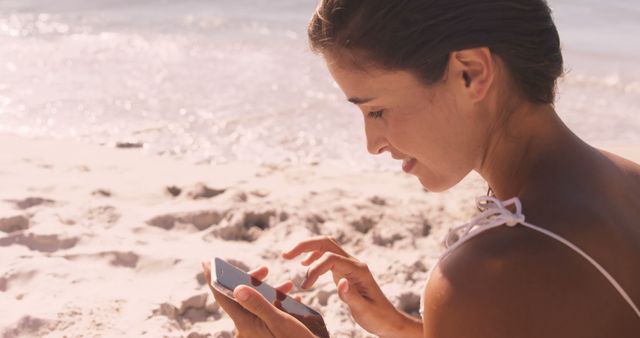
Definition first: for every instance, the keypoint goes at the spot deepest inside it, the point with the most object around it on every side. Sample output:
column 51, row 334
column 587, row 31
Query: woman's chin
column 432, row 184
column 433, row 188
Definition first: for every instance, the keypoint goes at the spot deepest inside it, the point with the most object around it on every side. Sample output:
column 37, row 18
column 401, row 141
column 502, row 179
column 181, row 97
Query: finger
column 237, row 313
column 351, row 296
column 253, row 301
column 320, row 243
column 206, row 268
column 330, row 262
column 259, row 273
column 297, row 298
column 285, row 287
column 312, row 257
column 279, row 323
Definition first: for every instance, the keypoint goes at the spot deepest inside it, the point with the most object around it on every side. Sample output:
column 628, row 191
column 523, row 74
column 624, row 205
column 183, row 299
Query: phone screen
column 229, row 277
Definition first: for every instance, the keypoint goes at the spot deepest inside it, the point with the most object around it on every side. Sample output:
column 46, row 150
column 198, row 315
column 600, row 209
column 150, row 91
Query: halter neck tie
column 493, row 213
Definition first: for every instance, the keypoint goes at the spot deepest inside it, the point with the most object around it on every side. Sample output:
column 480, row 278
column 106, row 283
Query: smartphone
column 228, row 277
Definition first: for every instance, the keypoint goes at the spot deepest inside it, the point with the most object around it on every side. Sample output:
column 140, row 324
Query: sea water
column 215, row 81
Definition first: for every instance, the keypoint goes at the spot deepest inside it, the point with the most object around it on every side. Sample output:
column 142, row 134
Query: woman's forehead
column 357, row 82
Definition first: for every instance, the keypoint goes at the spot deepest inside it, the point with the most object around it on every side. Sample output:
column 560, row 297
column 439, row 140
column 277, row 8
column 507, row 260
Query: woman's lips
column 408, row 164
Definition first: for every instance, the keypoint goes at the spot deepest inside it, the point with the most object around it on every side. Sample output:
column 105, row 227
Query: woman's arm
column 405, row 326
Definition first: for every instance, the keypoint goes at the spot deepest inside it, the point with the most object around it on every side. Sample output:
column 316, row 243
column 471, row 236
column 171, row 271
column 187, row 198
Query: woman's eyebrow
column 357, row 100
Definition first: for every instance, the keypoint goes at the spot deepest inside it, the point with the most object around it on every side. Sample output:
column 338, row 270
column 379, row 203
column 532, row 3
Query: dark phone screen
column 230, row 277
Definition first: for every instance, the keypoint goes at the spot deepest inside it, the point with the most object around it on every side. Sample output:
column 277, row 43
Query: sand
column 103, row 242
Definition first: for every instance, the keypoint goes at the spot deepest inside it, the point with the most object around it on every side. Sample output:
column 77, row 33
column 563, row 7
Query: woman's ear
column 467, row 79
column 474, row 70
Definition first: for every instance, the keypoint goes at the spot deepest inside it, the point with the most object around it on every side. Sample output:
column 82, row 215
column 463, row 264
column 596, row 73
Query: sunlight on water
column 217, row 81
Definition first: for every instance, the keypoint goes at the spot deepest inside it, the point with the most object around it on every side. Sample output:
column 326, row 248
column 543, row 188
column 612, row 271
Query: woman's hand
column 356, row 287
column 253, row 315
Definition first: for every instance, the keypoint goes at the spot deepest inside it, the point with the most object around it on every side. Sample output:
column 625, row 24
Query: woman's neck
column 531, row 135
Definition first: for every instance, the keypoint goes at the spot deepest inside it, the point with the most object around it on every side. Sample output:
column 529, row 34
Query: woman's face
column 436, row 130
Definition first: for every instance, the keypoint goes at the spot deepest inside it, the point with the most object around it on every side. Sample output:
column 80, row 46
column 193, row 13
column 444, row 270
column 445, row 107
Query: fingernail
column 345, row 286
column 243, row 294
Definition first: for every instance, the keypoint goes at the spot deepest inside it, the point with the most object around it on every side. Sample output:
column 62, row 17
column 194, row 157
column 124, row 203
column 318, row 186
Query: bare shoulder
column 511, row 282
column 628, row 161
column 489, row 287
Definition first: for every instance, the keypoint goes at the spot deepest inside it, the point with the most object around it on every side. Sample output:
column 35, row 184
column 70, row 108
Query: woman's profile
column 455, row 86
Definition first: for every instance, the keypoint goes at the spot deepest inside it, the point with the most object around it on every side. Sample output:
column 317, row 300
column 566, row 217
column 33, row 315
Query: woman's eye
column 375, row 114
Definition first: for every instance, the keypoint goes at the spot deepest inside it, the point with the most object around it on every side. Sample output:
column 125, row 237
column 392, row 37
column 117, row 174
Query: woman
column 459, row 85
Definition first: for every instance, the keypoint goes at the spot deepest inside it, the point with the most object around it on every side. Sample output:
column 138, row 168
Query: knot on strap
column 515, row 220
column 493, row 213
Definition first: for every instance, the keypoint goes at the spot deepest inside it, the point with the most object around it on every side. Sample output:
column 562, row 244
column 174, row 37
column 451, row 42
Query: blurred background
column 218, row 81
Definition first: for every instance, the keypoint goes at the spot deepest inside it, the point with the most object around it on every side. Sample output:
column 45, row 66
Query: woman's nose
column 376, row 142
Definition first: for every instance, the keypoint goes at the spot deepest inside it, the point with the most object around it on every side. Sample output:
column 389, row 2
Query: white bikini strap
column 494, row 213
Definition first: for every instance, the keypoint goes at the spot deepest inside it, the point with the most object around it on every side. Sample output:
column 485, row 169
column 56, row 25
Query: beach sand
column 105, row 242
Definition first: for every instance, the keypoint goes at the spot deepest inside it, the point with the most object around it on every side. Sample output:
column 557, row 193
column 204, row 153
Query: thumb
column 350, row 295
column 253, row 301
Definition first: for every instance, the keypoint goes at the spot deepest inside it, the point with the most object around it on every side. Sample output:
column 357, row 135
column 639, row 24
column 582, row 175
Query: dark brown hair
column 419, row 35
